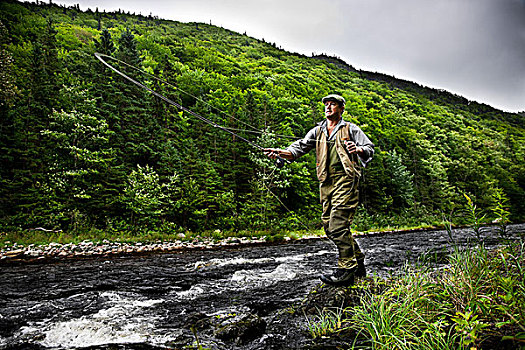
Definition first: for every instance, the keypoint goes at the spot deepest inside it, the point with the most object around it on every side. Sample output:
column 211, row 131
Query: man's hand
column 274, row 153
column 352, row 148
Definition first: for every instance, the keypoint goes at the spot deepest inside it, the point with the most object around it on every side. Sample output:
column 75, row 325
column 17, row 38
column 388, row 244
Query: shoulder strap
column 319, row 132
column 345, row 133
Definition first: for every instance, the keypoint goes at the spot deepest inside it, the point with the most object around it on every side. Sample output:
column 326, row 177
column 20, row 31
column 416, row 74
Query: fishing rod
column 279, row 162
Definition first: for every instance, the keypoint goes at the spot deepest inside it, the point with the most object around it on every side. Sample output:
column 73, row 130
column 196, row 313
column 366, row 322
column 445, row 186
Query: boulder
column 14, row 253
column 324, row 297
column 241, row 329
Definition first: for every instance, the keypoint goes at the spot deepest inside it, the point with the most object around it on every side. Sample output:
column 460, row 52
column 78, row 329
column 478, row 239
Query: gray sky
column 474, row 48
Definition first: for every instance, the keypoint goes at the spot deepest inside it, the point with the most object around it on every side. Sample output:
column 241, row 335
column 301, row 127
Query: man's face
column 332, row 110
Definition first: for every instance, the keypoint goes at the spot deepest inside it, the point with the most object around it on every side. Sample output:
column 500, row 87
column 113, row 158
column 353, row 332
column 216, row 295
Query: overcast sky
column 474, row 48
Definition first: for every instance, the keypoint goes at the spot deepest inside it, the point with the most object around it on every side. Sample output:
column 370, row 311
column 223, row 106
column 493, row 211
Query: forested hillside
column 81, row 147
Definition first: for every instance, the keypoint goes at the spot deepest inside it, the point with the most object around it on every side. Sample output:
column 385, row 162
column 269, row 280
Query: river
column 189, row 298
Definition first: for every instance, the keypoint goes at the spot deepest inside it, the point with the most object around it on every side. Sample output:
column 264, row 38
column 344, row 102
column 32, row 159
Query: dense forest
column 83, row 148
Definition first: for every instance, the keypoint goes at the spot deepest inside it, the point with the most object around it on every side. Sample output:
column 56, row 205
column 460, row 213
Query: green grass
column 121, row 231
column 328, row 322
column 39, row 237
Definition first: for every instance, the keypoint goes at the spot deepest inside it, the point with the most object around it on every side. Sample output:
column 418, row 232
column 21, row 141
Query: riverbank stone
column 198, row 321
column 241, row 329
column 323, row 297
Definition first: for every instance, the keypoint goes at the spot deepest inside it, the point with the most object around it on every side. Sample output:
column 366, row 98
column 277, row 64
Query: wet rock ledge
column 285, row 328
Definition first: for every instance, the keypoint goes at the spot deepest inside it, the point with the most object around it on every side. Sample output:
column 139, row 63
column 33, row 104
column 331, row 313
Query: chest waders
column 339, row 174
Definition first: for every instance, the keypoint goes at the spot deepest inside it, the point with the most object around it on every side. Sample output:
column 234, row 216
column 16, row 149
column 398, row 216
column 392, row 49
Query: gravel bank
column 17, row 253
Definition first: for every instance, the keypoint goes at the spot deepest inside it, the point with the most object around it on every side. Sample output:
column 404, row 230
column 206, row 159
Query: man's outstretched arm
column 274, row 153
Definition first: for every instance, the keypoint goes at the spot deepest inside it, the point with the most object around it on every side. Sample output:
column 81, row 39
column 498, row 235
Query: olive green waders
column 340, row 197
column 339, row 173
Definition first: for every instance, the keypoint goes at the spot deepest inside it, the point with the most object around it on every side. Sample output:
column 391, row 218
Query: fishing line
column 279, row 161
column 255, row 130
column 307, row 229
column 173, row 103
column 263, row 132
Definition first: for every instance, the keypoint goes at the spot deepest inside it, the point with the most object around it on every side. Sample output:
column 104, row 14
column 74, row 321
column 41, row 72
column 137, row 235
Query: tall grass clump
column 328, row 322
column 409, row 314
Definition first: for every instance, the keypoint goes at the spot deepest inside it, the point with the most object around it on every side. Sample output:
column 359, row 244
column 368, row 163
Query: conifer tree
column 29, row 151
column 105, row 44
column 127, row 48
column 7, row 96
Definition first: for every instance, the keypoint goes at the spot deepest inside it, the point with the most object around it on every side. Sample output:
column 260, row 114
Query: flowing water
column 187, row 299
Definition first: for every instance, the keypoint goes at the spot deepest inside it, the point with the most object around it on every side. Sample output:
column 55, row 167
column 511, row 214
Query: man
column 342, row 149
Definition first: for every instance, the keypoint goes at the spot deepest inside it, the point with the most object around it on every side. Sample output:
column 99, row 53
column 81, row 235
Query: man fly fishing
column 342, row 150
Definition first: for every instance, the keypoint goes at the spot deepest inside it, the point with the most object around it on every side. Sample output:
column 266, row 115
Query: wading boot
column 361, row 269
column 341, row 277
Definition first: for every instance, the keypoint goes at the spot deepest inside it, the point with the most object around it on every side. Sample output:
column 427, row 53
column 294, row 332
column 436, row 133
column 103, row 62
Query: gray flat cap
column 337, row 98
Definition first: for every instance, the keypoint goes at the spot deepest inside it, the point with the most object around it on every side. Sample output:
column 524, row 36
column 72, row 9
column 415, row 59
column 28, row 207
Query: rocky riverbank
column 17, row 253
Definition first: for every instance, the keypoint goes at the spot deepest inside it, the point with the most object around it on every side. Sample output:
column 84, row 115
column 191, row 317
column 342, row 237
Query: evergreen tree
column 30, row 153
column 79, row 161
column 401, row 187
column 127, row 48
column 105, row 44
column 7, row 137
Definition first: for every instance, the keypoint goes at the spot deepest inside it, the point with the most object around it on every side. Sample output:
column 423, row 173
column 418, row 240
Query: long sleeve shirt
column 303, row 146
